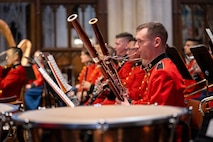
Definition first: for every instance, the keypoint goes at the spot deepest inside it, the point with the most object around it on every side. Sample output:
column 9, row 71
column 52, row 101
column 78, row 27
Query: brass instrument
column 198, row 91
column 197, row 83
column 193, row 85
column 205, row 100
column 25, row 46
column 105, row 69
column 5, row 30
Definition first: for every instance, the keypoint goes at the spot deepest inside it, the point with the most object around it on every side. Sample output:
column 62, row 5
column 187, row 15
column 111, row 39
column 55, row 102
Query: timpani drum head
column 90, row 117
column 107, row 123
column 4, row 107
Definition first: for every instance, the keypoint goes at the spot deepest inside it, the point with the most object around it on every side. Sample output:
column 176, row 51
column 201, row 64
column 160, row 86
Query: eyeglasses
column 132, row 49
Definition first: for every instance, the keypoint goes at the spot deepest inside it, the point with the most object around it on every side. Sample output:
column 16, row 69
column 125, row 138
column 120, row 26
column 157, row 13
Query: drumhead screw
column 102, row 125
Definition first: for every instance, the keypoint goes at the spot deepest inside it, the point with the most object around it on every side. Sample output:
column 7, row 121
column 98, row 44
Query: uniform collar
column 16, row 65
column 155, row 61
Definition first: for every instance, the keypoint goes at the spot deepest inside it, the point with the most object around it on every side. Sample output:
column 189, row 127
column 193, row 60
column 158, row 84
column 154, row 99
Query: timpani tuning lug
column 102, row 125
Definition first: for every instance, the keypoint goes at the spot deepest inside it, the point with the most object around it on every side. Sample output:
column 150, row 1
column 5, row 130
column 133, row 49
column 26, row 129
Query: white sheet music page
column 209, row 131
column 56, row 88
column 208, row 31
column 58, row 73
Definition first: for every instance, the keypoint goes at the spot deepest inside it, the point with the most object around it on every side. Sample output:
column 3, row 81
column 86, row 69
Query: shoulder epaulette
column 160, row 66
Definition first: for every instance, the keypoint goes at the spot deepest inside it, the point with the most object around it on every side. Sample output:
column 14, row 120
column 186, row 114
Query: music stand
column 174, row 55
column 204, row 60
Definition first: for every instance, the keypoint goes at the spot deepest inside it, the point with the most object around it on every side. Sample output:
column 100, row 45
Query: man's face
column 11, row 57
column 84, row 57
column 132, row 51
column 145, row 44
column 187, row 47
column 120, row 46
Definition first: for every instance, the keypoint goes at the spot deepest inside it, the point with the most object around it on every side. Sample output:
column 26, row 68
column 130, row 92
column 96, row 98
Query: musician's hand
column 80, row 97
column 70, row 93
column 77, row 86
column 86, row 84
column 125, row 102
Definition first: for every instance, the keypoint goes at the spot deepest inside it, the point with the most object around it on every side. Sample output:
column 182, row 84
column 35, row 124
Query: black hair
column 126, row 35
column 17, row 50
column 132, row 39
column 198, row 41
column 85, row 51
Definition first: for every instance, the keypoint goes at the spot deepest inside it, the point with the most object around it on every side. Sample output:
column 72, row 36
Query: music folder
column 30, row 73
column 204, row 60
column 176, row 58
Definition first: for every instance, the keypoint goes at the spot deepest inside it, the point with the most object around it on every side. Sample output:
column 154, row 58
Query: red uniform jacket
column 12, row 83
column 124, row 71
column 92, row 74
column 161, row 84
column 129, row 73
column 38, row 77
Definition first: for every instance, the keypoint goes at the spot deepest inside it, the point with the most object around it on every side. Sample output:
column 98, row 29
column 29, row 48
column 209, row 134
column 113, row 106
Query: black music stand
column 176, row 58
column 204, row 60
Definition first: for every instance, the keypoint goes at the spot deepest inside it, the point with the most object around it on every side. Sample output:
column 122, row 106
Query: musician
column 191, row 63
column 14, row 79
column 121, row 41
column 128, row 73
column 193, row 68
column 87, row 76
column 34, row 87
column 101, row 89
column 133, row 60
column 162, row 84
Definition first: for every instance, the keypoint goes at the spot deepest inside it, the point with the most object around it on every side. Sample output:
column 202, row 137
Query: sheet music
column 208, row 31
column 57, row 73
column 55, row 87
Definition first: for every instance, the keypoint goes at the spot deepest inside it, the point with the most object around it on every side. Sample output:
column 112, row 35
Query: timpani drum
column 113, row 123
column 5, row 117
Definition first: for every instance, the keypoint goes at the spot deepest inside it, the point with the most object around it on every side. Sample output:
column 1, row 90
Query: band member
column 131, row 70
column 191, row 63
column 87, row 77
column 12, row 81
column 34, row 87
column 128, row 73
column 121, row 41
column 162, row 84
column 193, row 69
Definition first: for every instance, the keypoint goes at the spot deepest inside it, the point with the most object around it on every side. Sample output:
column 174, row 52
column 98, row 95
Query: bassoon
column 107, row 58
column 103, row 68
